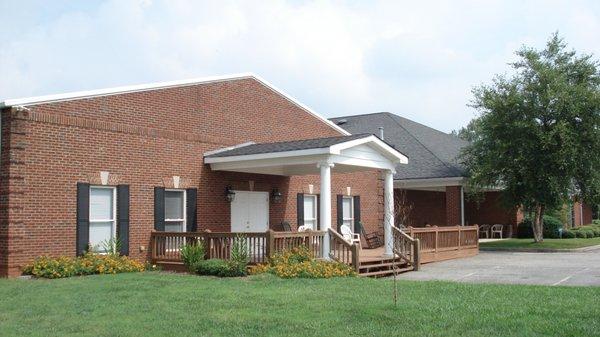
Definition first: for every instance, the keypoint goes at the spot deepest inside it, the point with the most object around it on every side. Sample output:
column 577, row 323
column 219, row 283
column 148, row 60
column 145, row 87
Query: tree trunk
column 538, row 223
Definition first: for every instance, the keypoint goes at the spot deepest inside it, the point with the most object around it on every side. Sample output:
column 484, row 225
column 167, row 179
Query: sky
column 418, row 59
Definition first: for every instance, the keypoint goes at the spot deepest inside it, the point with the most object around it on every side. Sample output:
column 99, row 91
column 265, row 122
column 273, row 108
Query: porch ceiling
column 346, row 153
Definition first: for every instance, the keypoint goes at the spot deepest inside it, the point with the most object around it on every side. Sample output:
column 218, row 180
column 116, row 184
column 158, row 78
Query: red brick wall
column 490, row 211
column 143, row 139
column 431, row 207
column 427, row 207
column 587, row 214
column 453, row 206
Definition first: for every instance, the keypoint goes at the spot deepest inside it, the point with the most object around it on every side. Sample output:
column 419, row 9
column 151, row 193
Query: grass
column 546, row 244
column 160, row 304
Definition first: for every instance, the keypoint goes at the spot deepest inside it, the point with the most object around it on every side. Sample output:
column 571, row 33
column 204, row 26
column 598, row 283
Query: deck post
column 356, row 258
column 325, row 203
column 270, row 243
column 388, row 211
column 416, row 255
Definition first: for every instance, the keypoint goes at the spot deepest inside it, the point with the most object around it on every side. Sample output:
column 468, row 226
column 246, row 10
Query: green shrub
column 581, row 234
column 589, row 233
column 596, row 222
column 298, row 262
column 596, row 231
column 551, row 228
column 218, row 267
column 90, row 263
column 568, row 234
column 192, row 254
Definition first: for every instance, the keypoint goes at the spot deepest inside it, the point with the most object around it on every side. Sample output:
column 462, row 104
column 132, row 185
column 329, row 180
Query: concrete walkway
column 553, row 269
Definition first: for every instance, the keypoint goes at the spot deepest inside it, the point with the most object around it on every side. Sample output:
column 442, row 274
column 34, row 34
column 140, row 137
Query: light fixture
column 276, row 195
column 229, row 194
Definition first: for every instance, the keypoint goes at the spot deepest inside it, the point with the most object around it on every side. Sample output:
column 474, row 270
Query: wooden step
column 387, row 272
column 379, row 265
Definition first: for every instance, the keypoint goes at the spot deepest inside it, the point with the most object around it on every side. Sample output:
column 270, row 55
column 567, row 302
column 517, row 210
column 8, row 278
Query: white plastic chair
column 496, row 229
column 304, row 228
column 348, row 235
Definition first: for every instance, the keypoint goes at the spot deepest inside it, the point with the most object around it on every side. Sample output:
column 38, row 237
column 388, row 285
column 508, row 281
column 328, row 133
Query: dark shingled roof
column 305, row 144
column 431, row 153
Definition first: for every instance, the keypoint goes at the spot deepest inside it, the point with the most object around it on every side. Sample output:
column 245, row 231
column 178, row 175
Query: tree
column 468, row 132
column 538, row 131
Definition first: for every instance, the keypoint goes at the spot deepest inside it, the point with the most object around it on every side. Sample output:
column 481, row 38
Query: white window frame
column 315, row 211
column 351, row 218
column 114, row 212
column 184, row 213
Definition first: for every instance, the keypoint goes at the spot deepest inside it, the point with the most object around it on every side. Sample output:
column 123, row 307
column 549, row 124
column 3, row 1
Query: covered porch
column 442, row 202
column 322, row 157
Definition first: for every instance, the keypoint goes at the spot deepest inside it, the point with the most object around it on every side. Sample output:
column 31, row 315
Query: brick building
column 433, row 182
column 79, row 169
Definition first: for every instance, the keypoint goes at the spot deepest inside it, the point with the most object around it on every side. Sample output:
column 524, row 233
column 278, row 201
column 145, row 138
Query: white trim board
column 163, row 85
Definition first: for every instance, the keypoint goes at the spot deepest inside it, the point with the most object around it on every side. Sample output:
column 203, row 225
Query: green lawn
column 160, row 304
column 546, row 244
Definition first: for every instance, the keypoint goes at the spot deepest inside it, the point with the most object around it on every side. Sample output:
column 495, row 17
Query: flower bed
column 88, row 264
column 299, row 263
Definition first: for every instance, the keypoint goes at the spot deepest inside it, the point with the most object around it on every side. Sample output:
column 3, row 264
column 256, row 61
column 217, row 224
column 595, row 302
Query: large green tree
column 537, row 135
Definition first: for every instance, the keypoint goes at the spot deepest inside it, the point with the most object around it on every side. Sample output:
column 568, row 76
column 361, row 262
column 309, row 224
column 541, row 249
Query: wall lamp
column 229, row 194
column 276, row 195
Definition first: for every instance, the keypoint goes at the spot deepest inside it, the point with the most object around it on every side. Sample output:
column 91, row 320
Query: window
column 175, row 211
column 102, row 218
column 310, row 211
column 348, row 212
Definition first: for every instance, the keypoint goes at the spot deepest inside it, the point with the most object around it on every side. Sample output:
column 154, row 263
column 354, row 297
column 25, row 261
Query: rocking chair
column 373, row 240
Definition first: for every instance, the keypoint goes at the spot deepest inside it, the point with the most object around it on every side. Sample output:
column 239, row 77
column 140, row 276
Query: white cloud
column 417, row 59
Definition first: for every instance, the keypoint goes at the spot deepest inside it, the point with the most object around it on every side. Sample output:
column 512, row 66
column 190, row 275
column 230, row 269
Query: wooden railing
column 281, row 241
column 166, row 246
column 407, row 248
column 442, row 243
column 343, row 251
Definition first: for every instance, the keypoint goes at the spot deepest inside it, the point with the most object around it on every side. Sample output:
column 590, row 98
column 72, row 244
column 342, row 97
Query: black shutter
column 191, row 210
column 83, row 218
column 123, row 218
column 357, row 225
column 159, row 209
column 300, row 209
column 340, row 211
column 318, row 212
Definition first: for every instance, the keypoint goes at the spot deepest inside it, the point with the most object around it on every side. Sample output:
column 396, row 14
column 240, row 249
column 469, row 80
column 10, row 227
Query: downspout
column 462, row 206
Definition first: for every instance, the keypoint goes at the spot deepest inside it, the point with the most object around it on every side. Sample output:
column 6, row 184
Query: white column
column 388, row 210
column 325, row 214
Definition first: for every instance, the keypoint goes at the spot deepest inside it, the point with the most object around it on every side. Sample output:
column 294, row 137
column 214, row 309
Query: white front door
column 250, row 212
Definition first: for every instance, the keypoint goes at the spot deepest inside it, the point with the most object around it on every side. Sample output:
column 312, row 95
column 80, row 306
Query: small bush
column 299, row 263
column 580, row 234
column 596, row 231
column 192, row 254
column 90, row 263
column 568, row 234
column 551, row 228
column 218, row 267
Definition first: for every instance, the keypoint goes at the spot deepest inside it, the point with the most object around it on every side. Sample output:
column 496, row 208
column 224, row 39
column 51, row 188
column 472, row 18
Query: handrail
column 166, row 246
column 343, row 251
column 406, row 247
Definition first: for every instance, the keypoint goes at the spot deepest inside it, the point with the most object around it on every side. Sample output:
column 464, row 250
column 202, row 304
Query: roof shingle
column 432, row 153
column 305, row 144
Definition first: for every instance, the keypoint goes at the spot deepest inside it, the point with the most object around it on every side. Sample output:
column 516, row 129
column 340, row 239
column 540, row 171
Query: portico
column 322, row 156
